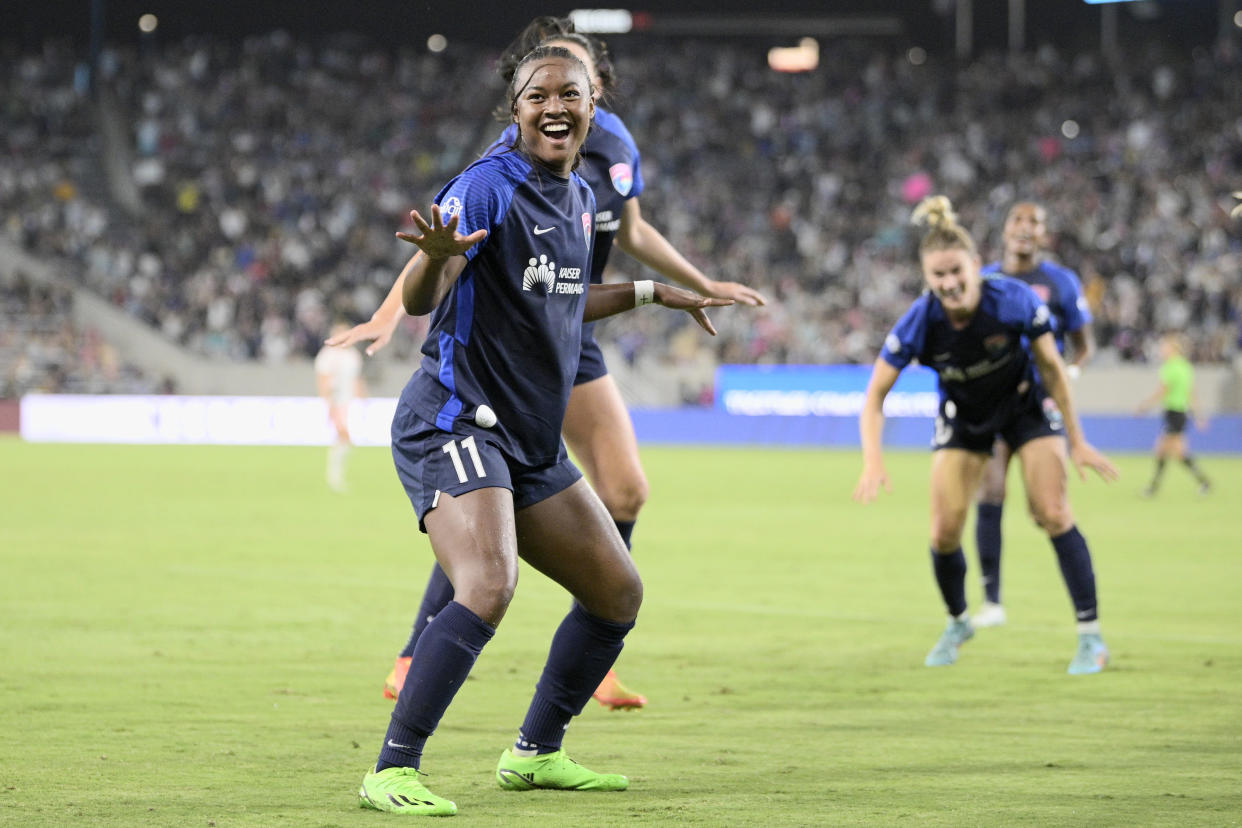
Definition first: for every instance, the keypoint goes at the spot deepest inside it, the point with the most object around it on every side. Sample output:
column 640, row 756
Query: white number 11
column 450, row 448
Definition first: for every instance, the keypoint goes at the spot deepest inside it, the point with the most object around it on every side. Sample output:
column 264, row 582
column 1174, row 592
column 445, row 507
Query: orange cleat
column 614, row 695
column 396, row 679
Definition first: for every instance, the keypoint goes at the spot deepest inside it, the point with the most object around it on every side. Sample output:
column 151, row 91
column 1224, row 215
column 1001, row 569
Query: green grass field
column 198, row 636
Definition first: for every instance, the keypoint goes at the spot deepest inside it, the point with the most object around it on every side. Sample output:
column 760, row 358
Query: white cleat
column 988, row 615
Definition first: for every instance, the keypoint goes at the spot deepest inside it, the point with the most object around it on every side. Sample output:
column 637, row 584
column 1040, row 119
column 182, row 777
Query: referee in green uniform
column 1177, row 395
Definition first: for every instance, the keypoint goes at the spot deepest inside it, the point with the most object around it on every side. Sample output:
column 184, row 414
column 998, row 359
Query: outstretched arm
column 608, row 300
column 426, row 283
column 1052, row 372
column 871, row 433
column 646, row 244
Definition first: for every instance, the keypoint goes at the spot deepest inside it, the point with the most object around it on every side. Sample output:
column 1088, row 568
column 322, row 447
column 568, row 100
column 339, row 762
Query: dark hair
column 541, row 53
column 546, row 28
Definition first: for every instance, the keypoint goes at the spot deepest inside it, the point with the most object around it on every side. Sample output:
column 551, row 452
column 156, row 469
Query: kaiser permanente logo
column 541, row 273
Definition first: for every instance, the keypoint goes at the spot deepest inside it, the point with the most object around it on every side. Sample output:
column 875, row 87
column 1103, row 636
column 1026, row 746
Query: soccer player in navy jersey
column 1025, row 238
column 597, row 425
column 970, row 330
column 476, row 437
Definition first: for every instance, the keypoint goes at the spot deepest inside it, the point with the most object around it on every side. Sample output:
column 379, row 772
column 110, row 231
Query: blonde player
column 338, row 379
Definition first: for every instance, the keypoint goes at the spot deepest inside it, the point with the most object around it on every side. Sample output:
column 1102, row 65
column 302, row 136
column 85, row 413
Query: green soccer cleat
column 398, row 791
column 1091, row 656
column 553, row 771
column 956, row 633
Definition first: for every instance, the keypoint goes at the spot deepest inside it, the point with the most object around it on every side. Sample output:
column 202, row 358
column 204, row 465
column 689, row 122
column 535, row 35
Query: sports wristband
column 644, row 293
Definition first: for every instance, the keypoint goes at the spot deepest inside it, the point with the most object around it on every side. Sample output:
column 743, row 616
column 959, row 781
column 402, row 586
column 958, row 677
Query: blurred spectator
column 43, row 351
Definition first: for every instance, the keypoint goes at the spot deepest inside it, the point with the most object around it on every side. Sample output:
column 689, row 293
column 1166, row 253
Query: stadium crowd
column 42, row 349
column 273, row 173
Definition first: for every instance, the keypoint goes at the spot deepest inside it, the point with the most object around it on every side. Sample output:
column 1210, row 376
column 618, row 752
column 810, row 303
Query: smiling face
column 553, row 110
column 952, row 274
column 1025, row 233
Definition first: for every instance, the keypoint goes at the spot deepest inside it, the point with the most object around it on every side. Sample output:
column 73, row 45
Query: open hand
column 1085, row 456
column 736, row 291
column 440, row 240
column 679, row 299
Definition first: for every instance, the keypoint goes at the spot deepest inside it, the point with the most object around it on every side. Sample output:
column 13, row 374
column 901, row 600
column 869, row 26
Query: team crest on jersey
column 996, row 343
column 1042, row 292
column 586, row 227
column 450, row 207
column 622, row 178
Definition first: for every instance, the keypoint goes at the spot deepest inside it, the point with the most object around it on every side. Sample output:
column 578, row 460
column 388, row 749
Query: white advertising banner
column 244, row 421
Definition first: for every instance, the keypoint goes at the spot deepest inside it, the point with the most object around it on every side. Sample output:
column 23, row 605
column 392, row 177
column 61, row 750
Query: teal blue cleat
column 1091, row 657
column 956, row 633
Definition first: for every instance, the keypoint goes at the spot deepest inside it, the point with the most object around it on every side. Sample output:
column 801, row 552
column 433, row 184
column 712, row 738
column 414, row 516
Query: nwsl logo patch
column 586, row 227
column 622, row 178
column 450, row 207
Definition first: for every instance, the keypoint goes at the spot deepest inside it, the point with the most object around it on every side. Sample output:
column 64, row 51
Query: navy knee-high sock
column 950, row 569
column 626, row 528
column 436, row 597
column 582, row 651
column 1075, row 560
column 445, row 653
column 988, row 540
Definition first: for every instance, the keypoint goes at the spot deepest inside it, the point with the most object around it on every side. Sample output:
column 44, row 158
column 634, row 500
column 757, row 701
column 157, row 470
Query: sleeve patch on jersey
column 586, row 227
column 892, row 343
column 622, row 178
column 1042, row 315
column 450, row 207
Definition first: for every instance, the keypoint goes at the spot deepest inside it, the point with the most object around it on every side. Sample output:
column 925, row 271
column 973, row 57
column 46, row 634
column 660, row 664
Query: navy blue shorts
column 1039, row 417
column 1174, row 422
column 591, row 364
column 430, row 462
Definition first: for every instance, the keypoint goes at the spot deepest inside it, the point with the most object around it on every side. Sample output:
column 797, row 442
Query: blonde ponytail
column 944, row 233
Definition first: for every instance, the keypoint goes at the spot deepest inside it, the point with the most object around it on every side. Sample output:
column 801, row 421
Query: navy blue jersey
column 984, row 368
column 611, row 166
column 508, row 334
column 1060, row 289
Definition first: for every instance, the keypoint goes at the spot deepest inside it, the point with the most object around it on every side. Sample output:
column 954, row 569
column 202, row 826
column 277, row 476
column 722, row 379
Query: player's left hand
column 1085, row 456
column 679, row 299
column 737, row 292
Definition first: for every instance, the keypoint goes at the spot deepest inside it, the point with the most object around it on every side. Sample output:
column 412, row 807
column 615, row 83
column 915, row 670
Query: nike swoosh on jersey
column 539, row 231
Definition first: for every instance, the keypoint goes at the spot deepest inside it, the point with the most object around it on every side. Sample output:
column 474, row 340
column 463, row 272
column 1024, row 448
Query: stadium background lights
column 437, row 43
column 1070, row 129
column 801, row 58
column 602, row 21
column 147, row 23
column 1237, row 19
column 917, row 55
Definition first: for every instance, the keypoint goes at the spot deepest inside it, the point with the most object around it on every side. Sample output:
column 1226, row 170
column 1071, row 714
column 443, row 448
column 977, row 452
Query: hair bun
column 935, row 212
